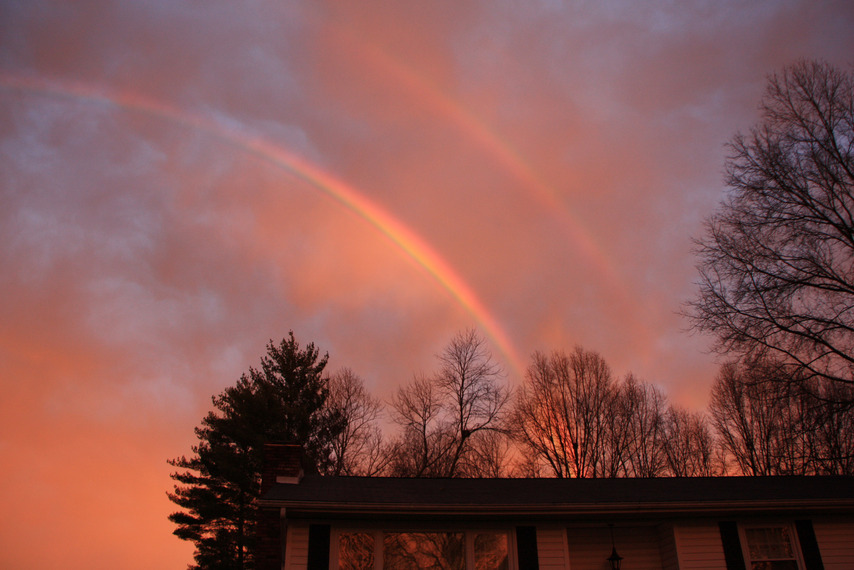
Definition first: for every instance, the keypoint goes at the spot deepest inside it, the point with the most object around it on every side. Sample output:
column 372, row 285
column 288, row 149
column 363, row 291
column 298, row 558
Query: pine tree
column 283, row 401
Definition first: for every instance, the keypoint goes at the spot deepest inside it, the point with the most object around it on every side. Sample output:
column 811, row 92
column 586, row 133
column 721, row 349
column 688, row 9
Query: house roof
column 346, row 497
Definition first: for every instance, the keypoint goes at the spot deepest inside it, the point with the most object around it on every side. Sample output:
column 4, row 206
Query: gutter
column 313, row 509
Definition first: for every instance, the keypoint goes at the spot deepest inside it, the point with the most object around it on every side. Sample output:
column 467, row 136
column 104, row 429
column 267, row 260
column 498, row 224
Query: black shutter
column 526, row 548
column 809, row 545
column 732, row 545
column 318, row 547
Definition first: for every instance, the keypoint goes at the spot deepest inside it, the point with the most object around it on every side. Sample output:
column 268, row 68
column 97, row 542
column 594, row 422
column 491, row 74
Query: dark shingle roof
column 341, row 496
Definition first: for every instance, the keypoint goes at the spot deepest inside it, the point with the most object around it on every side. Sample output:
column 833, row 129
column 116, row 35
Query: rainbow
column 480, row 132
column 432, row 96
column 387, row 224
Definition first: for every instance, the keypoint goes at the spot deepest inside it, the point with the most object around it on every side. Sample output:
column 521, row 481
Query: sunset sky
column 182, row 181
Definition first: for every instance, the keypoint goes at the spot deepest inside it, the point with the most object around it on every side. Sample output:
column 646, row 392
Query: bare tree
column 831, row 426
column 769, row 427
column 689, row 446
column 358, row 448
column 468, row 380
column 777, row 262
column 561, row 414
column 640, row 424
column 752, row 412
column 540, row 418
column 422, row 447
column 444, row 417
column 490, row 454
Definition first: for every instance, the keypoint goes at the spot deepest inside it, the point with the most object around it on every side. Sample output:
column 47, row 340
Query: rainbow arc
column 408, row 241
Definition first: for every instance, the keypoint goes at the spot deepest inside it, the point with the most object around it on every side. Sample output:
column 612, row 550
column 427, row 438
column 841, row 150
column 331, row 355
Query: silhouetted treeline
column 571, row 417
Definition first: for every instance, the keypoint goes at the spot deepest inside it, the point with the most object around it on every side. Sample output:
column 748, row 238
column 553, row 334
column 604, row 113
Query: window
column 362, row 549
column 428, row 550
column 356, row 551
column 491, row 551
column 770, row 547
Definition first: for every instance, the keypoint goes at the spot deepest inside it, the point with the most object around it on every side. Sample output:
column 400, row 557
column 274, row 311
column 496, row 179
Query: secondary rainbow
column 477, row 130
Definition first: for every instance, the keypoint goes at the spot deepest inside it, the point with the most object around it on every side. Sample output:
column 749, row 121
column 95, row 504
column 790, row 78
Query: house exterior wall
column 589, row 547
column 552, row 548
column 296, row 550
column 698, row 546
column 836, row 542
column 677, row 545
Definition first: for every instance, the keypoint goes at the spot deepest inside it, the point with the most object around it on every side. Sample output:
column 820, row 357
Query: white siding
column 296, row 548
column 836, row 543
column 589, row 547
column 699, row 546
column 551, row 548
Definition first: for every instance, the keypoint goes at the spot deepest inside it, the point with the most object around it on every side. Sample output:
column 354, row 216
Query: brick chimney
column 283, row 463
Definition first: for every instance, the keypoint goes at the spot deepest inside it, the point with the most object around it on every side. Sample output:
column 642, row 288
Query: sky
column 183, row 181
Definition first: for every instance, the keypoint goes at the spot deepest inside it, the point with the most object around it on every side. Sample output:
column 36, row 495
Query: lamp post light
column 615, row 560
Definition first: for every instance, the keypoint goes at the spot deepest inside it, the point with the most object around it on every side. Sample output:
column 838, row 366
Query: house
column 748, row 523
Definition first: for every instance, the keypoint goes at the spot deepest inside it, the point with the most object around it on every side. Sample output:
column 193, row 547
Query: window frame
column 379, row 531
column 793, row 537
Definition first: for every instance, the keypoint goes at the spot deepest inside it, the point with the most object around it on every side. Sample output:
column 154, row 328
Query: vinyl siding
column 682, row 546
column 836, row 543
column 589, row 548
column 551, row 548
column 699, row 547
column 296, row 548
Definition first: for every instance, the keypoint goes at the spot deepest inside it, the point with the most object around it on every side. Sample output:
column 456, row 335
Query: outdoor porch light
column 615, row 560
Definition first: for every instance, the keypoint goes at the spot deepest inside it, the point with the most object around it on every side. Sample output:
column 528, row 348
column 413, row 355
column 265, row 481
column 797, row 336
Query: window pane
column 769, row 543
column 424, row 550
column 355, row 551
column 490, row 551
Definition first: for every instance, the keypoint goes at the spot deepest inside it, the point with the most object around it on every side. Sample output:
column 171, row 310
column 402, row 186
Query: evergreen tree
column 283, row 401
